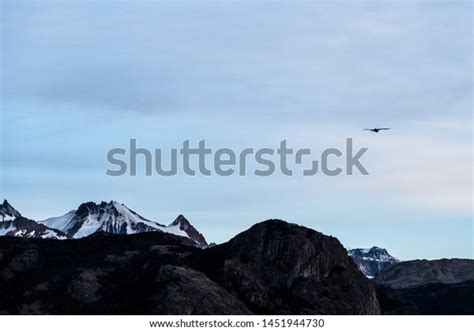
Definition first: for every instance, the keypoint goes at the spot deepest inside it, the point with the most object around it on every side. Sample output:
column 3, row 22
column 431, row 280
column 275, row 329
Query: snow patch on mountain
column 59, row 222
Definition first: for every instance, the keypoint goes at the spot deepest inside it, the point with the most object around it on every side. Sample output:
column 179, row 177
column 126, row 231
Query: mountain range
column 272, row 268
column 116, row 218
column 121, row 263
column 89, row 218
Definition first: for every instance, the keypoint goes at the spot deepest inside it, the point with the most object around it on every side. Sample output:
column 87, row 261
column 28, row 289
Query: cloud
column 311, row 61
column 416, row 169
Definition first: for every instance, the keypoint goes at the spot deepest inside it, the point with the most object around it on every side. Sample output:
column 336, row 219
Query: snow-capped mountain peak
column 373, row 253
column 371, row 261
column 89, row 218
column 116, row 218
column 14, row 225
column 111, row 217
column 7, row 212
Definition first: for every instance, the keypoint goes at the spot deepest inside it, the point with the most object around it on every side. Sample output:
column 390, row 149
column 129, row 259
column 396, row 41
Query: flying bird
column 376, row 130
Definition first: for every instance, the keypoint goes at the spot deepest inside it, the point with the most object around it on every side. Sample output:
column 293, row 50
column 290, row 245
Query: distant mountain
column 181, row 224
column 443, row 286
column 116, row 218
column 370, row 261
column 26, row 228
column 272, row 268
column 14, row 225
column 421, row 272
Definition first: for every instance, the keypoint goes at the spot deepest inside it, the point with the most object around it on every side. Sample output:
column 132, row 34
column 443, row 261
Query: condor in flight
column 376, row 130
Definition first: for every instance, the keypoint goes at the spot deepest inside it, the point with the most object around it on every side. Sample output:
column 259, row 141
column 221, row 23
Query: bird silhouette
column 376, row 130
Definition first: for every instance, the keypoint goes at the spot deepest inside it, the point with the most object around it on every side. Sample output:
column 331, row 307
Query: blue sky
column 81, row 77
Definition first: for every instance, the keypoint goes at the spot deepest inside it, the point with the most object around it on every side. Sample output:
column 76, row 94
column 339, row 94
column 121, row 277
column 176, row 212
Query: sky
column 79, row 78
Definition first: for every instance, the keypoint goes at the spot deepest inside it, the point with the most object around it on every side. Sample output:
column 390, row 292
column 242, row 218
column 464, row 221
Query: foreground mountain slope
column 443, row 286
column 280, row 268
column 116, row 218
column 272, row 268
column 371, row 261
column 429, row 299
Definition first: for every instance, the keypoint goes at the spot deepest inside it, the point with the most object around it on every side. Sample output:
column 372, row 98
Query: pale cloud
column 417, row 168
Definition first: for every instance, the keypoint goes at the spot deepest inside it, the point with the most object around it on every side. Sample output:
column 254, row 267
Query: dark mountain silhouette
column 443, row 286
column 123, row 263
column 272, row 268
column 421, row 272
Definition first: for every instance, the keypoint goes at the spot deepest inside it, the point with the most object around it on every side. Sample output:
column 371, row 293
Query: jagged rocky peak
column 7, row 212
column 371, row 261
column 94, row 208
column 184, row 225
column 88, row 207
column 182, row 221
